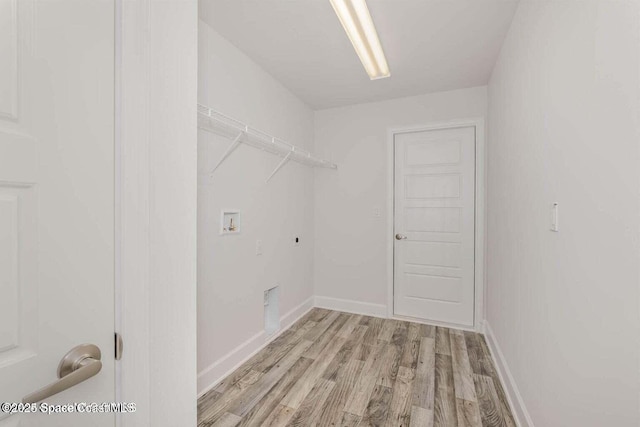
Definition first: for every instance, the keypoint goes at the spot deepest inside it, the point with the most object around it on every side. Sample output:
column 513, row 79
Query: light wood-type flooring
column 339, row 369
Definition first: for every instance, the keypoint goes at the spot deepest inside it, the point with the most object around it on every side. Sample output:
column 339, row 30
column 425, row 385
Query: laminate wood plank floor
column 339, row 369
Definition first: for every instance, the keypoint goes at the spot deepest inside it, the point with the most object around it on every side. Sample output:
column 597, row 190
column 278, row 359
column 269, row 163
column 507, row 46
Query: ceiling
column 430, row 45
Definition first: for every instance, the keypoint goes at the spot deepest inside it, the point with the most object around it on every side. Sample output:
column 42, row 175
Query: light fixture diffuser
column 356, row 20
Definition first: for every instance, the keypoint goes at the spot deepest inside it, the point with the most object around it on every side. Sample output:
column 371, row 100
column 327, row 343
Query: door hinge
column 119, row 345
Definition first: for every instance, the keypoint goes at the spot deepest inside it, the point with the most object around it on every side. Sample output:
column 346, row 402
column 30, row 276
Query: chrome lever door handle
column 78, row 365
column 400, row 237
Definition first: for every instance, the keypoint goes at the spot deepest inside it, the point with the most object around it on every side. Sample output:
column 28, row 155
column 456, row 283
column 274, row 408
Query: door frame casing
column 156, row 201
column 480, row 217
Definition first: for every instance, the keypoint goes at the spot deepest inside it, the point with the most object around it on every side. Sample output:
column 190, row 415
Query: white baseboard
column 350, row 306
column 210, row 376
column 520, row 413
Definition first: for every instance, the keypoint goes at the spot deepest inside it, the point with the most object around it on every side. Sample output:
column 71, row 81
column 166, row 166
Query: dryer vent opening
column 271, row 310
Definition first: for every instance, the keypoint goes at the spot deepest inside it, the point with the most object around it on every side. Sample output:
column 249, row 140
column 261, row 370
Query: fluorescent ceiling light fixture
column 356, row 21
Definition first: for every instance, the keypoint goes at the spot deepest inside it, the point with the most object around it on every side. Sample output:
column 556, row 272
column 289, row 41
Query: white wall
column 231, row 278
column 563, row 307
column 157, row 66
column 350, row 267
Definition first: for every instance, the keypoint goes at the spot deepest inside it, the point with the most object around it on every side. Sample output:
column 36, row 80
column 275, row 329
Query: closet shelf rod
column 216, row 122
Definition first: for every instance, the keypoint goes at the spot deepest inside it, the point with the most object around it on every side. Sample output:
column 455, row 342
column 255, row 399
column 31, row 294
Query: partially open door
column 56, row 210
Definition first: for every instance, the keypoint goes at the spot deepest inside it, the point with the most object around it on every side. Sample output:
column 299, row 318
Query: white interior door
column 56, row 201
column 434, row 225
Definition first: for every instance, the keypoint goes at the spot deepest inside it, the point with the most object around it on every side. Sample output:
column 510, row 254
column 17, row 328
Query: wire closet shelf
column 241, row 133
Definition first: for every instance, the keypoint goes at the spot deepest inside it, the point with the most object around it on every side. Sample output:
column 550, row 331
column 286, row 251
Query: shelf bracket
column 236, row 142
column 281, row 164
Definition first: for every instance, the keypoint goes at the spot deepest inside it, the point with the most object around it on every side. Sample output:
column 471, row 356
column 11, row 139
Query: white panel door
column 434, row 225
column 56, row 201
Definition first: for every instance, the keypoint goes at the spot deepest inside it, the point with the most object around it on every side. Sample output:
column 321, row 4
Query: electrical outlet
column 376, row 212
column 258, row 247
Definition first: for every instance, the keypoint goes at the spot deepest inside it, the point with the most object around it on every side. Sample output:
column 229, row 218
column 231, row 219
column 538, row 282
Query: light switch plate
column 554, row 217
